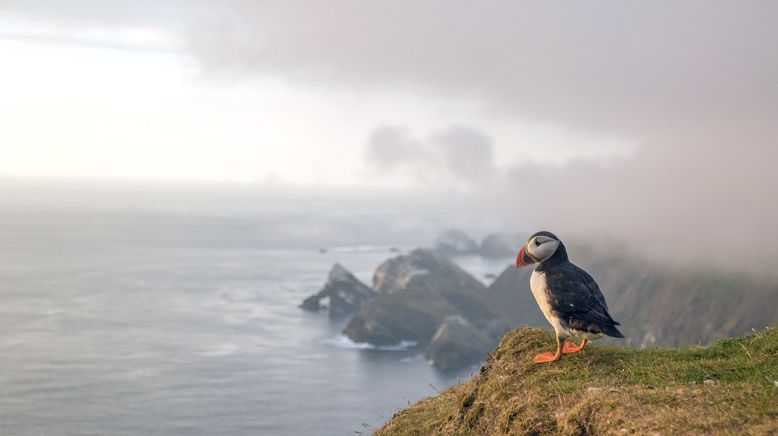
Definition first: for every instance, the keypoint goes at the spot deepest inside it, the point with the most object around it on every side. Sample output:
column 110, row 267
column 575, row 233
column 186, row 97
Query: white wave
column 342, row 341
column 360, row 249
column 221, row 350
column 238, row 295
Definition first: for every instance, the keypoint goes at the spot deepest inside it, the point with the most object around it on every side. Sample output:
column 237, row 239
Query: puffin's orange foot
column 546, row 357
column 569, row 348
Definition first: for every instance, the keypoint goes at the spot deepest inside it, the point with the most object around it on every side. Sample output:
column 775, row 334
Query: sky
column 652, row 121
column 237, row 92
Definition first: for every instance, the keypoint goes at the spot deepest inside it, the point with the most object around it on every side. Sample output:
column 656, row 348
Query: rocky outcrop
column 344, row 292
column 416, row 293
column 426, row 298
column 423, row 268
column 501, row 245
column 454, row 242
column 511, row 296
column 458, row 342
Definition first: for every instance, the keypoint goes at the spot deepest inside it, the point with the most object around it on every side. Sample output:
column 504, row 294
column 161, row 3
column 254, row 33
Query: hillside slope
column 730, row 387
column 657, row 305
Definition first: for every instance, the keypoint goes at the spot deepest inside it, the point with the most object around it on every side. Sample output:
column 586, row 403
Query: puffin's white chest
column 537, row 284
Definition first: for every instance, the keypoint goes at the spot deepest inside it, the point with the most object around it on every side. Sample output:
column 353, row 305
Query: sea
column 170, row 322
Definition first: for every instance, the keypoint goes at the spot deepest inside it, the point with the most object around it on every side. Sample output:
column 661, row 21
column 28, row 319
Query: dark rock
column 458, row 343
column 511, row 297
column 392, row 319
column 501, row 245
column 416, row 292
column 311, row 303
column 426, row 270
column 453, row 242
column 345, row 292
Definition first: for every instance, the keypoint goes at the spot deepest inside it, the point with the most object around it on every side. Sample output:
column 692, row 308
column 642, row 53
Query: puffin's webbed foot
column 550, row 357
column 569, row 348
column 547, row 357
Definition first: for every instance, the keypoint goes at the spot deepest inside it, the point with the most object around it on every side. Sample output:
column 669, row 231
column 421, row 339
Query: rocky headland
column 343, row 294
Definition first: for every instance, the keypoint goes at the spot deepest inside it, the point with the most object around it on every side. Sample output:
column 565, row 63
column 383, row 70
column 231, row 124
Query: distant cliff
column 730, row 387
column 672, row 305
column 657, row 305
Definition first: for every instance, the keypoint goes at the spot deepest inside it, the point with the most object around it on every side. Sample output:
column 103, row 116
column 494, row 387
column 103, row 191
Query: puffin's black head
column 539, row 248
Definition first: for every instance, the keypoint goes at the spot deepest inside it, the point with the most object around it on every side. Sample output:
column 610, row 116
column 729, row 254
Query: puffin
column 568, row 296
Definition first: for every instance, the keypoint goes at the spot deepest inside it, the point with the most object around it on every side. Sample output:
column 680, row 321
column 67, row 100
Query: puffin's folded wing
column 575, row 294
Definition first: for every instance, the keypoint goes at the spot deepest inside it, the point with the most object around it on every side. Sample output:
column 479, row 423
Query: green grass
column 727, row 388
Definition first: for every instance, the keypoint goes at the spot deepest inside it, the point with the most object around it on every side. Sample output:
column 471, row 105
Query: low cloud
column 687, row 197
column 390, row 147
column 468, row 154
column 458, row 156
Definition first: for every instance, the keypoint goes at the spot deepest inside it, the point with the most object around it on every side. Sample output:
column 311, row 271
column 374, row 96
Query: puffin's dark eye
column 537, row 242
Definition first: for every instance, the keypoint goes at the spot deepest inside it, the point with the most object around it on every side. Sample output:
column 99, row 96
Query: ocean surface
column 121, row 324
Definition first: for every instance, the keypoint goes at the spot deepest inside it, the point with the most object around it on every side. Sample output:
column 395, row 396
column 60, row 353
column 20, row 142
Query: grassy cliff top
column 730, row 387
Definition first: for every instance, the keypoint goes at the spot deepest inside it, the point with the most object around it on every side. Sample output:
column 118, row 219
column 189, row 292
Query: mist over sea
column 115, row 321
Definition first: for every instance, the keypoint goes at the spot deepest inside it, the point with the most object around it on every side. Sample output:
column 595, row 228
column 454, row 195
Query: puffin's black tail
column 611, row 330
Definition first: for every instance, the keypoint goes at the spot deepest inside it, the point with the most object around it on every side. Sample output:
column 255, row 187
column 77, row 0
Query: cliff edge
column 730, row 387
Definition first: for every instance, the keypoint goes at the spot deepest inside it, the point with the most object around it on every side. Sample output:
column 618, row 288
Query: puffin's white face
column 538, row 249
column 542, row 247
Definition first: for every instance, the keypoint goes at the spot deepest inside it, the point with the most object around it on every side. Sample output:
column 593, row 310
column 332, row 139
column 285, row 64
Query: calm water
column 162, row 325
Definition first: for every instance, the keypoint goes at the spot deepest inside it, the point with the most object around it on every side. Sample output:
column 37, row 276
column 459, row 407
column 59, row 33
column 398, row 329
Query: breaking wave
column 343, row 342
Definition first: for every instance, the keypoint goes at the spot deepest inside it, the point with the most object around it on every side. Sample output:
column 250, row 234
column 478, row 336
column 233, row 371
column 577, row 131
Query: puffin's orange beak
column 520, row 258
column 523, row 259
